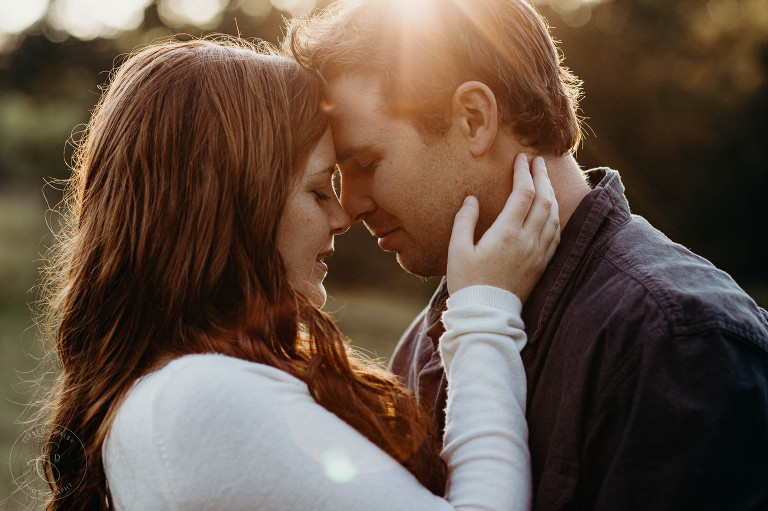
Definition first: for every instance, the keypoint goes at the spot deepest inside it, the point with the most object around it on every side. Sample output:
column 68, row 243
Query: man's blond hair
column 422, row 54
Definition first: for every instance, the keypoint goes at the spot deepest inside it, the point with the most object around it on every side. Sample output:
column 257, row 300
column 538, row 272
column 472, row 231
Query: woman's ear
column 475, row 113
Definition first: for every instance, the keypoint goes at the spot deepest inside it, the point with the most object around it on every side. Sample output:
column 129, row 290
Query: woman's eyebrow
column 328, row 170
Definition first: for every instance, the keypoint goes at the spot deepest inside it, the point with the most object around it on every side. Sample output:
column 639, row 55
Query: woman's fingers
column 462, row 242
column 464, row 223
column 523, row 193
column 513, row 253
column 550, row 232
column 543, row 202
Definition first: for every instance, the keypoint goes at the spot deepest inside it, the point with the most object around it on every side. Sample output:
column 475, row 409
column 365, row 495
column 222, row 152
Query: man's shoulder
column 638, row 266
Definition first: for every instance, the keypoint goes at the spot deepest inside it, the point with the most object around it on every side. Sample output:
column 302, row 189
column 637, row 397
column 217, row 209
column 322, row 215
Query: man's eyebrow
column 352, row 151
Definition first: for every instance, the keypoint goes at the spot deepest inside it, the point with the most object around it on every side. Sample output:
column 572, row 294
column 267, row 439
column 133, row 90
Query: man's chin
column 421, row 265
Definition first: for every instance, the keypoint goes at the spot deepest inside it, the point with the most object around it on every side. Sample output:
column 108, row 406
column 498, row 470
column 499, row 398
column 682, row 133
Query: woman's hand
column 515, row 250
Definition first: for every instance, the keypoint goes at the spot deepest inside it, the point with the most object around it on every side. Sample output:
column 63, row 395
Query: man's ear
column 475, row 113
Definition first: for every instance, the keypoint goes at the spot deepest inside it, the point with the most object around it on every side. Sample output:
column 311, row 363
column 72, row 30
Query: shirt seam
column 671, row 309
column 658, row 301
column 627, row 365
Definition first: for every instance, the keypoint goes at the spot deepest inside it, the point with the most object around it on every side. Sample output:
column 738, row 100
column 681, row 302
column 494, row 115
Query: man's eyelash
column 321, row 196
column 371, row 166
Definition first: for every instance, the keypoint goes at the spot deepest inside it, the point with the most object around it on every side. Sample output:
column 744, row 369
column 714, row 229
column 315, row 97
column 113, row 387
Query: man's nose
column 356, row 198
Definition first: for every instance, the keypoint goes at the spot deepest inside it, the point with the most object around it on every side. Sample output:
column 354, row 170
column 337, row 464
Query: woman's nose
column 355, row 199
column 341, row 220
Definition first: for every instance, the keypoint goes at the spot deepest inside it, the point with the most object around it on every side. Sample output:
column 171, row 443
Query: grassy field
column 22, row 233
column 370, row 297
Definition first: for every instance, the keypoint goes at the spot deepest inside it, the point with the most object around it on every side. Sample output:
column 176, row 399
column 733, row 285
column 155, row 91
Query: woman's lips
column 320, row 263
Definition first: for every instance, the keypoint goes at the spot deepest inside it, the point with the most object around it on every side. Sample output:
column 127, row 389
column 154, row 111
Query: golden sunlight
column 413, row 11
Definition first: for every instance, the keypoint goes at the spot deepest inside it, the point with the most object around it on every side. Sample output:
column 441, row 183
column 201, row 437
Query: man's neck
column 568, row 182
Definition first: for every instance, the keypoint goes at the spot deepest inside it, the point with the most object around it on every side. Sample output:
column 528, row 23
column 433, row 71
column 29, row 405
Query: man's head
column 427, row 99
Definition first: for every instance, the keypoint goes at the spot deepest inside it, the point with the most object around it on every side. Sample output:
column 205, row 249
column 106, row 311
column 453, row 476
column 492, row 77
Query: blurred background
column 676, row 100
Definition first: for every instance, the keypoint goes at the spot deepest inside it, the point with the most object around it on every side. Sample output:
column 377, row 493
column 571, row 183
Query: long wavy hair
column 169, row 248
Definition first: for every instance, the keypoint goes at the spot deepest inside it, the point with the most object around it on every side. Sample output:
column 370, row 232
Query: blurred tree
column 676, row 100
column 675, row 97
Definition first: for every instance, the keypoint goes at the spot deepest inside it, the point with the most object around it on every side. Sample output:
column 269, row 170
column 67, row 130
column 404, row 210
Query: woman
column 196, row 365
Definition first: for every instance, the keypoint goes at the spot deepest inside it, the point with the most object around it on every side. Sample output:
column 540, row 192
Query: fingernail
column 469, row 200
column 525, row 157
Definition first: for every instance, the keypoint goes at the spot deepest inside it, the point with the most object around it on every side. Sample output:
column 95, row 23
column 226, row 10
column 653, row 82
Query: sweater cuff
column 486, row 295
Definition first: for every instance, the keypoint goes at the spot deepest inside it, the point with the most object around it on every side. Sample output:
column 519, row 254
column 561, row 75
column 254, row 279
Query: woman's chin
column 317, row 296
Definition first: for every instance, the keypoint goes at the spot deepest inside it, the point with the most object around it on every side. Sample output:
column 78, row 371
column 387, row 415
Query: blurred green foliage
column 676, row 100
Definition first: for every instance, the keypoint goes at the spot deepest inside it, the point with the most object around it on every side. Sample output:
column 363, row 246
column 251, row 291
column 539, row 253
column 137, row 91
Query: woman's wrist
column 486, row 295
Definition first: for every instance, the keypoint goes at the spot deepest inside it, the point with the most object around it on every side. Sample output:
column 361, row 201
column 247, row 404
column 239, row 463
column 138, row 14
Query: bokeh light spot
column 294, row 7
column 578, row 17
column 89, row 19
column 16, row 15
column 723, row 11
column 565, row 6
column 198, row 13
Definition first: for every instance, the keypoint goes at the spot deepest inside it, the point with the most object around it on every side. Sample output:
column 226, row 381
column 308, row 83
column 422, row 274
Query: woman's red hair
column 173, row 206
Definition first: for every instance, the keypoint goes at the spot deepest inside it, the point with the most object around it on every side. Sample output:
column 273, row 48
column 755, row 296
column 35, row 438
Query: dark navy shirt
column 647, row 371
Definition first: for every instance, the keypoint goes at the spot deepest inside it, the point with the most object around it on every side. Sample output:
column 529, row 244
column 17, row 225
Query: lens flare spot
column 338, row 466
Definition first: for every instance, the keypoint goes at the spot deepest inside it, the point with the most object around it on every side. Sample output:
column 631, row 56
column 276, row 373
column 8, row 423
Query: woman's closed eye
column 321, row 195
column 325, row 192
column 324, row 188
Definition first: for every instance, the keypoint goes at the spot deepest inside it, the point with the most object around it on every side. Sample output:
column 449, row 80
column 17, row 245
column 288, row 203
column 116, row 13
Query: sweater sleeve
column 486, row 434
column 231, row 434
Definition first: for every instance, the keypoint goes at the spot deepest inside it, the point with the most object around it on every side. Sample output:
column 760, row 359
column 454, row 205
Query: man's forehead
column 356, row 107
column 355, row 95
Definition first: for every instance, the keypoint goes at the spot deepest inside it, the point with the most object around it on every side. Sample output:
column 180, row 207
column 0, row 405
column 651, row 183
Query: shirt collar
column 437, row 305
column 607, row 195
column 599, row 212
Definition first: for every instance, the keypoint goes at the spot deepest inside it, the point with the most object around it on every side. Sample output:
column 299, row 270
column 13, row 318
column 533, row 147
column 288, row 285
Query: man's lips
column 384, row 229
column 382, row 233
column 386, row 238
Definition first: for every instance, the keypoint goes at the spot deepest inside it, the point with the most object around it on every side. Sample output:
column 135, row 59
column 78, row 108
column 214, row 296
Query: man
column 647, row 367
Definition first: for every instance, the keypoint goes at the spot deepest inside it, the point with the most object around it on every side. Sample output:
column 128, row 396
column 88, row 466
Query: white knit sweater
column 216, row 432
